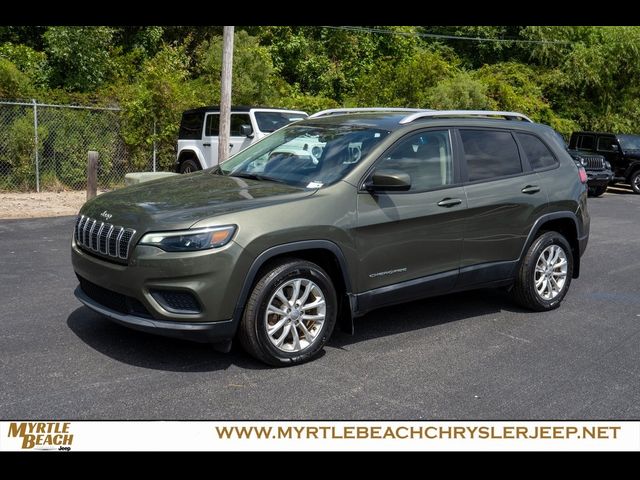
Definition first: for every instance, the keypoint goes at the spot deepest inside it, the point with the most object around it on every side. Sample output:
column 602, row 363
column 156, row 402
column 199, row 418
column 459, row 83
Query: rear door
column 504, row 198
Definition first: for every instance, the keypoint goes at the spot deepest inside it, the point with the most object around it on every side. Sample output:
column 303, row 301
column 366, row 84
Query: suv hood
column 178, row 202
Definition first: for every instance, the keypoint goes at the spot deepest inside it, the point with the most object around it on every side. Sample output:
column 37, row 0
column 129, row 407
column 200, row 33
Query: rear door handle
column 531, row 189
column 449, row 202
column 206, row 144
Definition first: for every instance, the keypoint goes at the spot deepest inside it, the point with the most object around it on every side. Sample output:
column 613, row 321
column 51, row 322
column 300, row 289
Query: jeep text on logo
column 106, row 215
column 42, row 434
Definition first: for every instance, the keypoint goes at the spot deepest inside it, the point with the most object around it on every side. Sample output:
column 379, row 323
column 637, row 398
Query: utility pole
column 225, row 94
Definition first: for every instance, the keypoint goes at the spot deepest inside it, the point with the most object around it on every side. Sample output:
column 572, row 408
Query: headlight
column 607, row 165
column 190, row 240
column 583, row 162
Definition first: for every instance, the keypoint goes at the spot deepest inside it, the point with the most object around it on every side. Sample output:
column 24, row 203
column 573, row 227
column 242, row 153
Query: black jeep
column 598, row 169
column 621, row 151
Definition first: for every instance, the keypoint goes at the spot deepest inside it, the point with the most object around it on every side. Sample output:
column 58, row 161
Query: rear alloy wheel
column 597, row 191
column 545, row 273
column 290, row 314
column 635, row 181
column 189, row 165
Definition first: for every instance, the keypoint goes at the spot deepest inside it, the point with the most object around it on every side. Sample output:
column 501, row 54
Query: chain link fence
column 44, row 146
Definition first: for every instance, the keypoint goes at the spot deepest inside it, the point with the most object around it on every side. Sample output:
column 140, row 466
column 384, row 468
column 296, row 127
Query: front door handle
column 449, row 202
column 531, row 189
column 206, row 144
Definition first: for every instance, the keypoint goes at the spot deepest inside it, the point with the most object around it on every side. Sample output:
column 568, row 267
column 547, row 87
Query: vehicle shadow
column 152, row 351
column 161, row 353
column 426, row 313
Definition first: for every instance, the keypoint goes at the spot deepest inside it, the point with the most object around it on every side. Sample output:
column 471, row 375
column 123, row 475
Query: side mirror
column 246, row 130
column 388, row 181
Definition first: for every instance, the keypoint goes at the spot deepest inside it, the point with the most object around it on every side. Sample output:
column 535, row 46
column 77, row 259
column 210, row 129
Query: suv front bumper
column 127, row 294
column 598, row 178
column 197, row 331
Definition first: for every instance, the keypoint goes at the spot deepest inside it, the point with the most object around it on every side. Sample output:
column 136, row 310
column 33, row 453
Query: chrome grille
column 593, row 162
column 103, row 238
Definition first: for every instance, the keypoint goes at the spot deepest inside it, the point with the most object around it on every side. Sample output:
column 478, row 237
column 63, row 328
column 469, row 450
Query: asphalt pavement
column 473, row 355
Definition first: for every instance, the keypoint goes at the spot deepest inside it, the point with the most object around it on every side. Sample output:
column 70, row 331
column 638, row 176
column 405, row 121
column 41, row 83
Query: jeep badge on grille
column 106, row 215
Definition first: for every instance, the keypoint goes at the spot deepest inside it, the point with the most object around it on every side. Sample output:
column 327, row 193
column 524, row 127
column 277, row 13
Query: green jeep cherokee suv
column 276, row 247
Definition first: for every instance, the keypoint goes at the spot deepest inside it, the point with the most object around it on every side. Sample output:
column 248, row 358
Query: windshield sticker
column 315, row 185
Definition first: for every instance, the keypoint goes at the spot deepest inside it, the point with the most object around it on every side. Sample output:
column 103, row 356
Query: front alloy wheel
column 295, row 315
column 290, row 314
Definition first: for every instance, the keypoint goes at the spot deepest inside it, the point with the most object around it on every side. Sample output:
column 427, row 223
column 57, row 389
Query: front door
column 238, row 141
column 413, row 237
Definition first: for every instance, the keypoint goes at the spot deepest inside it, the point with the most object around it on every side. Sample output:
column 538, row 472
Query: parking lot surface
column 463, row 356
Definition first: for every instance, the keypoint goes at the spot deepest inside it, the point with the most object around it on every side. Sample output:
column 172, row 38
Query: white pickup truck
column 198, row 136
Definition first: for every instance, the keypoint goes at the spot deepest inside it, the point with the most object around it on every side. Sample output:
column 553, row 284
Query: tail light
column 582, row 173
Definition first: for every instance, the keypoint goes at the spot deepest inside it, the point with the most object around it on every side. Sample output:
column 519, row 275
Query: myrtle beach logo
column 42, row 435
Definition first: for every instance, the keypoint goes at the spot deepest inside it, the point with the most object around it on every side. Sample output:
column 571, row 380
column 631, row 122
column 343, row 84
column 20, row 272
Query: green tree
column 405, row 84
column 13, row 83
column 79, row 57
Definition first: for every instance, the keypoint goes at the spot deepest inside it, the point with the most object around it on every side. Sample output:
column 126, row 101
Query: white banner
column 313, row 436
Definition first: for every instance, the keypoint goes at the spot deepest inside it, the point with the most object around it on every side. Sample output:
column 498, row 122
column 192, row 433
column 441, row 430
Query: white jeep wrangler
column 198, row 137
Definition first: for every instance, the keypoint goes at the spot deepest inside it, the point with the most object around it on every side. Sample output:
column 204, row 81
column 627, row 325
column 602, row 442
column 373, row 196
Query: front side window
column 305, row 155
column 607, row 144
column 425, row 156
column 237, row 120
column 490, row 154
column 537, row 153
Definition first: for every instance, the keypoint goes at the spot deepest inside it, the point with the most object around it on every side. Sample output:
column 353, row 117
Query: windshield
column 305, row 156
column 269, row 122
column 629, row 142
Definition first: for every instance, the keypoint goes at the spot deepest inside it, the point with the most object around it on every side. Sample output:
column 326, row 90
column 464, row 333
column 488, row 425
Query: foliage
column 17, row 140
column 30, row 62
column 79, row 57
column 160, row 94
column 13, row 83
column 571, row 77
column 405, row 84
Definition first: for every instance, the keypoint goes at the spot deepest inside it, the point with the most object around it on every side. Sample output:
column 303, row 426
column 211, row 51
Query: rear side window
column 490, row 154
column 537, row 153
column 191, row 126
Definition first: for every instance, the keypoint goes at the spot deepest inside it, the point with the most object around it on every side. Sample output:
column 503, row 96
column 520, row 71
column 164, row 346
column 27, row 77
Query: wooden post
column 92, row 174
column 225, row 94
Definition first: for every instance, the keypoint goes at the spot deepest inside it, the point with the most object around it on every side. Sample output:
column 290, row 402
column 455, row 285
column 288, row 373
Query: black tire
column 252, row 332
column 189, row 165
column 524, row 291
column 634, row 181
column 597, row 191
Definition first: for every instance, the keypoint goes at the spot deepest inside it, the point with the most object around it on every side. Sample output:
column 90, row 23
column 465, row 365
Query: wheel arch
column 186, row 154
column 565, row 223
column 324, row 253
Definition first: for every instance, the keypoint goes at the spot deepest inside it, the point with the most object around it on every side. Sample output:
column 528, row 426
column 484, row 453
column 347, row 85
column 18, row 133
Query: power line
column 446, row 37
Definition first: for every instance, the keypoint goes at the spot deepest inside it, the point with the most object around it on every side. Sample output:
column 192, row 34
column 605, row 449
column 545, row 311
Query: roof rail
column 464, row 113
column 336, row 111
